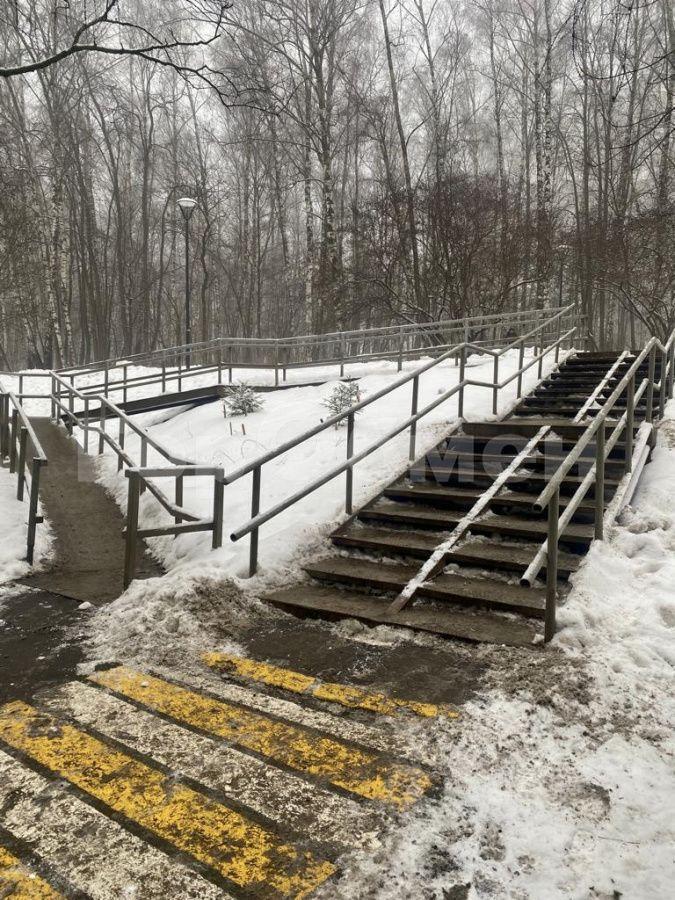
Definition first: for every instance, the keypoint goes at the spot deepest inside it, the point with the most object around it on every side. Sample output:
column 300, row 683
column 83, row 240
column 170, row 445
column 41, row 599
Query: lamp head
column 187, row 204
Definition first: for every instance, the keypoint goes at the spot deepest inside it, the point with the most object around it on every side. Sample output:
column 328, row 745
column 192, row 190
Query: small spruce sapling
column 241, row 399
column 342, row 397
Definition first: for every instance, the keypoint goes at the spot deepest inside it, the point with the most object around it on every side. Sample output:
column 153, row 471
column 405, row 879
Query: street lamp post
column 187, row 205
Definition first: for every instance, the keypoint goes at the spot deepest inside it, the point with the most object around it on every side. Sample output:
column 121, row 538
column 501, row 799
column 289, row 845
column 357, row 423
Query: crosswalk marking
column 297, row 683
column 98, row 856
column 19, row 883
column 308, row 808
column 239, row 849
column 380, row 735
column 359, row 771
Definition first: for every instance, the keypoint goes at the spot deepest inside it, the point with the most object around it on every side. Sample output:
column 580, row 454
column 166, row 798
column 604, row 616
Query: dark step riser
column 368, row 546
column 492, row 465
column 581, row 517
column 496, row 446
column 577, row 545
column 389, row 589
column 523, row 484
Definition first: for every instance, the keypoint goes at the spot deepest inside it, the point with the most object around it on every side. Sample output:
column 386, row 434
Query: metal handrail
column 8, row 440
column 258, row 519
column 405, row 379
column 549, row 497
column 290, row 342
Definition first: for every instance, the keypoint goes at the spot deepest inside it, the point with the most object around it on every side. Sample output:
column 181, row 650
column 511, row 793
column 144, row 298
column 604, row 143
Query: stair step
column 385, row 510
column 527, row 427
column 464, row 497
column 464, row 624
column 479, row 554
column 446, row 473
column 363, row 573
column 474, row 444
column 497, row 462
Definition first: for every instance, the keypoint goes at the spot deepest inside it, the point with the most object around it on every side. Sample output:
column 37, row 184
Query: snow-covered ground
column 203, row 435
column 560, row 776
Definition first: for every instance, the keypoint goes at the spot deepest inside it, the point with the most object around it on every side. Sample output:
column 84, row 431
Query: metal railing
column 549, row 498
column 140, row 476
column 254, row 468
column 335, row 347
column 20, row 444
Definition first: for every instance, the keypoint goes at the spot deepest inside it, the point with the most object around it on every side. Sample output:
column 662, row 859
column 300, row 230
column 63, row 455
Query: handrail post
column 413, row 412
column 552, row 565
column 462, row 370
column 218, row 498
column 52, row 398
column 132, row 528
column 540, row 364
column 649, row 414
column 124, row 387
column 106, row 378
column 121, row 443
column 179, row 496
column 23, row 438
column 255, row 509
column 86, row 423
column 32, row 509
column 521, row 361
column 600, row 482
column 12, row 441
column 671, row 369
column 662, row 383
column 350, row 472
column 630, row 422
column 495, row 385
column 400, row 352
column 101, row 425
column 4, row 415
column 163, row 376
column 144, row 458
column 342, row 359
column 276, row 365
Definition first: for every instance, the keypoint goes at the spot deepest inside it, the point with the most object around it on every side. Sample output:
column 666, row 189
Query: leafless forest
column 355, row 162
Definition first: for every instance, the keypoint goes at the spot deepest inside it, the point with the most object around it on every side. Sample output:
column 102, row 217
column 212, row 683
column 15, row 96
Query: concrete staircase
column 477, row 595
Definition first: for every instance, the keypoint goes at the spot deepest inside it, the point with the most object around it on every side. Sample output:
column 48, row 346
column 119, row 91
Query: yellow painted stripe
column 362, row 772
column 19, row 883
column 345, row 695
column 239, row 849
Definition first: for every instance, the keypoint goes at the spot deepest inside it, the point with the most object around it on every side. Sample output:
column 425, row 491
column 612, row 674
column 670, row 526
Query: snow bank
column 13, row 529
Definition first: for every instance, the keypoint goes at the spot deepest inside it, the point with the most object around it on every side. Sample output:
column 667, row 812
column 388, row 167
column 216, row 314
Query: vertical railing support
column 600, row 482
column 521, row 360
column 218, row 499
column 120, row 441
column 630, row 423
column 132, row 528
column 23, row 440
column 86, row 424
column 13, row 440
column 144, row 458
column 255, row 509
column 671, row 368
column 495, row 385
column 462, row 371
column 349, row 489
column 649, row 414
column 101, row 427
column 32, row 509
column 552, row 565
column 179, row 496
column 413, row 412
column 662, row 383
